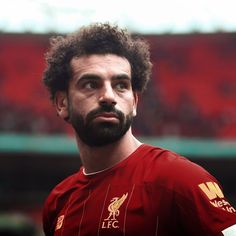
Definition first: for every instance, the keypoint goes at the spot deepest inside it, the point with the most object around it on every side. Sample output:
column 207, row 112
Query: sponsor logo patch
column 216, row 196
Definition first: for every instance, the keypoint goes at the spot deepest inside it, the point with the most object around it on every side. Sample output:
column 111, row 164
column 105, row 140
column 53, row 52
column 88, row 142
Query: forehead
column 100, row 65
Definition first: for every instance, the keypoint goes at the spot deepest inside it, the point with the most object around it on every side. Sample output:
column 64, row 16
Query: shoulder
column 169, row 166
column 197, row 195
column 57, row 198
column 63, row 189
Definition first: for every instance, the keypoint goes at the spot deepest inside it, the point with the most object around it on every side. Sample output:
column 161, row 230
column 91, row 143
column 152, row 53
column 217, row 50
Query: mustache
column 104, row 108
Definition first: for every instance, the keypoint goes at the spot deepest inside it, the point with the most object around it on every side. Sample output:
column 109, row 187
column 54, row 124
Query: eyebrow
column 95, row 77
column 89, row 77
column 121, row 77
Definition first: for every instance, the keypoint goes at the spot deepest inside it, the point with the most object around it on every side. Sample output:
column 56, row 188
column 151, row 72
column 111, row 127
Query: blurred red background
column 192, row 92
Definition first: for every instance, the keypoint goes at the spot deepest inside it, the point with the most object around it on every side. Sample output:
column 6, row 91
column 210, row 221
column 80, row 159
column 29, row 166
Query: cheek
column 83, row 108
column 75, row 108
column 79, row 104
column 130, row 105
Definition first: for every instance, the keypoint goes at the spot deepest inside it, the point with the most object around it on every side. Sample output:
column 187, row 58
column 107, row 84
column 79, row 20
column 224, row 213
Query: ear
column 136, row 95
column 61, row 104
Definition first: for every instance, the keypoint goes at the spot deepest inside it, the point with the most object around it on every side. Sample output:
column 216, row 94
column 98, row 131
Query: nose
column 107, row 95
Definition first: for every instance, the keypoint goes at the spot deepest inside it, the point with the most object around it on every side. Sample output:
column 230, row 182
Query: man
column 95, row 77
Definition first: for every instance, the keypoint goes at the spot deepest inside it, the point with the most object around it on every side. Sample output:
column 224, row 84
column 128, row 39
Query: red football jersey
column 153, row 192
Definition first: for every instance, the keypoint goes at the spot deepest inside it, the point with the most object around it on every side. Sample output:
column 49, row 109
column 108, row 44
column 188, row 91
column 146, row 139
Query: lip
column 106, row 116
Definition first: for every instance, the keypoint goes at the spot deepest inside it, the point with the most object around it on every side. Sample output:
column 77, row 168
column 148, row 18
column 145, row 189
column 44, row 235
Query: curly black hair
column 97, row 38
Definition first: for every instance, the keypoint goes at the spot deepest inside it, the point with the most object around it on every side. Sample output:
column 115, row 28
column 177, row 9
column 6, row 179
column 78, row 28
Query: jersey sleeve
column 201, row 204
column 55, row 202
column 48, row 216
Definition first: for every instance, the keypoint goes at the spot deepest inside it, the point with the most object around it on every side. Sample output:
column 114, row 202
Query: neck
column 95, row 159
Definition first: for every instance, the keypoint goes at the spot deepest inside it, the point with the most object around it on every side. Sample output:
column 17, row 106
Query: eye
column 122, row 85
column 90, row 85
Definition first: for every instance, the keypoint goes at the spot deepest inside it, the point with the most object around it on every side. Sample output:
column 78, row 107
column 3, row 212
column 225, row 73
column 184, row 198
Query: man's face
column 101, row 103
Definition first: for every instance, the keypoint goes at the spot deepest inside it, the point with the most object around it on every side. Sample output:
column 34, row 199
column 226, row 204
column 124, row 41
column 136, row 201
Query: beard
column 100, row 133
